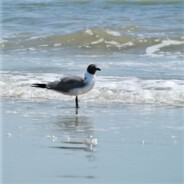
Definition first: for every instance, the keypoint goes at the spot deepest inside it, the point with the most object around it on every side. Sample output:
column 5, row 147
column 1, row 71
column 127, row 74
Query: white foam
column 118, row 45
column 112, row 43
column 89, row 32
column 98, row 41
column 38, row 37
column 57, row 44
column 45, row 45
column 127, row 44
column 107, row 89
column 155, row 48
column 113, row 33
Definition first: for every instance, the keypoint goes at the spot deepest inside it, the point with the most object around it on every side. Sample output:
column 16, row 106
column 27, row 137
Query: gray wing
column 67, row 83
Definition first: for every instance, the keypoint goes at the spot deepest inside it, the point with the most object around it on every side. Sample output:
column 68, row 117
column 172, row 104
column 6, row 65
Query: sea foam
column 155, row 48
column 111, row 90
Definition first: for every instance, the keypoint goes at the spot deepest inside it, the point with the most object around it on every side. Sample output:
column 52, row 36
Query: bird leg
column 76, row 102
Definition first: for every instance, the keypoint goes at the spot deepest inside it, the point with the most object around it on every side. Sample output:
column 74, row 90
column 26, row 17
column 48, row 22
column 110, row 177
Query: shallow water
column 130, row 126
column 54, row 145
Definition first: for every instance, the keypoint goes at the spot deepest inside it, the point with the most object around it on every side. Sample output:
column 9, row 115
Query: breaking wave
column 109, row 90
column 125, row 39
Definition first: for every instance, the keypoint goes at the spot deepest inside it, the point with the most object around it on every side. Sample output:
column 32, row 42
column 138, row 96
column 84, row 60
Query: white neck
column 88, row 78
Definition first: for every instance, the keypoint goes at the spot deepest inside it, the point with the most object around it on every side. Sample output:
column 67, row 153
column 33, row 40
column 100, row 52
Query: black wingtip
column 39, row 85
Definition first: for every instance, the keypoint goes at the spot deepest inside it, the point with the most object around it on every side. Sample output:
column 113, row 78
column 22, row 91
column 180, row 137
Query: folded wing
column 67, row 83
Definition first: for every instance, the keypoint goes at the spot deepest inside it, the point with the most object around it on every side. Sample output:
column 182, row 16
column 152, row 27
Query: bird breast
column 82, row 90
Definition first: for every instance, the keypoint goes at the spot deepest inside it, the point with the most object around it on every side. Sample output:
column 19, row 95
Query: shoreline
column 101, row 139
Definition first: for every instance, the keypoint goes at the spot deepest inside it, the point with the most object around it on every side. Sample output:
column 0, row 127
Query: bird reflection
column 76, row 133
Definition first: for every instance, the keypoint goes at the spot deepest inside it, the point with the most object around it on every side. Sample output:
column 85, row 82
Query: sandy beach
column 46, row 142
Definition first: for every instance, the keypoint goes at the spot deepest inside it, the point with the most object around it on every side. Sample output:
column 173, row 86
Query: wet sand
column 46, row 142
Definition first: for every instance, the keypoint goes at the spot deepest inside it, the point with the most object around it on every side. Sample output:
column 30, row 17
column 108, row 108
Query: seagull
column 73, row 85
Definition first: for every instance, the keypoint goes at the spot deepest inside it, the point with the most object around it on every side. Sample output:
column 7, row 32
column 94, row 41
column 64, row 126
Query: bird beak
column 98, row 69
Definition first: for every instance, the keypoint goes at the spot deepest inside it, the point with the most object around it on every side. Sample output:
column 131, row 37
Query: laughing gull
column 73, row 85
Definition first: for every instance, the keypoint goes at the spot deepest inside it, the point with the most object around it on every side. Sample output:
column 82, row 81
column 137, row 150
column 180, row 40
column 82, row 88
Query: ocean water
column 139, row 46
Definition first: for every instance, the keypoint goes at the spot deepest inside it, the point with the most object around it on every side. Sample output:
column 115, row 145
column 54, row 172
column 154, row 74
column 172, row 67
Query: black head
column 92, row 69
